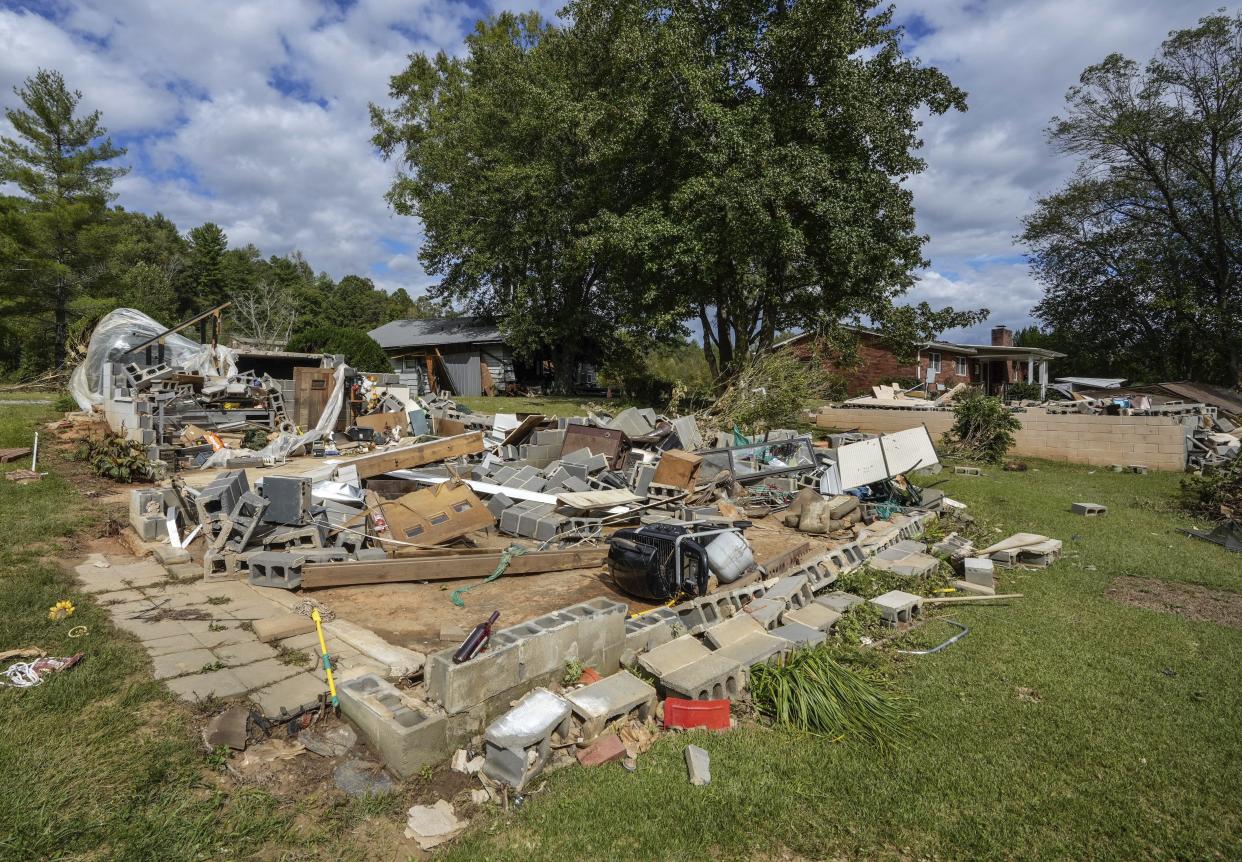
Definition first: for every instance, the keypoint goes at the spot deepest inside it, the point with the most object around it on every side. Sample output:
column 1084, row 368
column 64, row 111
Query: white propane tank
column 728, row 556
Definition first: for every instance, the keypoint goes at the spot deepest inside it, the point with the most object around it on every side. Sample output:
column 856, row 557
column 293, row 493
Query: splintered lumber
column 449, row 566
column 379, row 463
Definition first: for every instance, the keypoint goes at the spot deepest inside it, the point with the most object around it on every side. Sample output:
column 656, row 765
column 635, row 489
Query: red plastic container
column 712, row 714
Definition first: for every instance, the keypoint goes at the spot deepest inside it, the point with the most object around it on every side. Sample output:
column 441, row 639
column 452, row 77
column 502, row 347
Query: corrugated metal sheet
column 463, row 371
column 435, row 332
column 1227, row 400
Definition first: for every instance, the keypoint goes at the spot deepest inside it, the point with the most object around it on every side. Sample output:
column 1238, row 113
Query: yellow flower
column 60, row 610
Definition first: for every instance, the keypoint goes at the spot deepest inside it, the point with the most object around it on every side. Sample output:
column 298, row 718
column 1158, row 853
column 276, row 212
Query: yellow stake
column 323, row 648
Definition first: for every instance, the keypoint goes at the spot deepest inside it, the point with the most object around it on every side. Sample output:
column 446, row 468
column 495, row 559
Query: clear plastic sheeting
column 279, row 449
column 121, row 331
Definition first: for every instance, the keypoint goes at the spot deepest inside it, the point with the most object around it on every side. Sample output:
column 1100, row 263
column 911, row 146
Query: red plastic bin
column 712, row 714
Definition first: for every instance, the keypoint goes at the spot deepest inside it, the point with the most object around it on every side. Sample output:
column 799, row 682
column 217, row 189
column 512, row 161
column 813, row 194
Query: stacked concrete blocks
column 240, row 525
column 687, row 668
column 406, row 733
column 647, row 631
column 745, row 641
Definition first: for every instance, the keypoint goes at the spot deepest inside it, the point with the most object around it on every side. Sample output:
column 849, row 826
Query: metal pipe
column 954, row 639
column 34, row 454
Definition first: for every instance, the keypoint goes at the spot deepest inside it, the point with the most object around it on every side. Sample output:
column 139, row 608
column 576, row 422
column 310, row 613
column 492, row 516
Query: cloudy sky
column 253, row 114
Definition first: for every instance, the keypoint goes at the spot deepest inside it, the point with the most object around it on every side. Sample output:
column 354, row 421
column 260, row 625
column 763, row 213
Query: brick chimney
column 1002, row 336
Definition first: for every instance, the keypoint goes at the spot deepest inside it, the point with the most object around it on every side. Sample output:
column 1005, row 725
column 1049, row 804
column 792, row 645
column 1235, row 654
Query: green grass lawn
column 1129, row 747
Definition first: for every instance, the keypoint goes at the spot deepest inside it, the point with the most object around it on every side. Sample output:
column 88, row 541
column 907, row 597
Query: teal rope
column 508, row 554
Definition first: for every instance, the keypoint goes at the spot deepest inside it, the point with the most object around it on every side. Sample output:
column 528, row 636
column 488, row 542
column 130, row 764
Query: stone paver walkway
column 216, row 655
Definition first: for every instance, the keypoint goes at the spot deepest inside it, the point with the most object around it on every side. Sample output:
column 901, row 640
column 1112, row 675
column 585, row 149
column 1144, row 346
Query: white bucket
column 728, row 556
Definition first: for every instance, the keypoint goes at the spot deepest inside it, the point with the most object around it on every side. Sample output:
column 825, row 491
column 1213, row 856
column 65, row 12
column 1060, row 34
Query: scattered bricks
column 240, row 524
column 754, row 649
column 767, row 612
column 612, row 698
column 278, row 569
column 709, row 678
column 798, row 634
column 289, row 498
column 967, row 471
column 698, row 765
column 458, row 687
column 603, row 750
column 733, row 630
column 898, row 607
column 406, row 733
column 815, row 615
column 1088, row 509
column 980, row 571
column 518, row 744
column 675, row 654
column 795, row 590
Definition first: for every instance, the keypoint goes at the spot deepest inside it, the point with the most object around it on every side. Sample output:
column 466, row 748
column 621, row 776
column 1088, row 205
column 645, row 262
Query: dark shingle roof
column 435, row 331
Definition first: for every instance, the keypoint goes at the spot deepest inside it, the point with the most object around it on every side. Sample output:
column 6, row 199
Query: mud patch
column 1190, row 601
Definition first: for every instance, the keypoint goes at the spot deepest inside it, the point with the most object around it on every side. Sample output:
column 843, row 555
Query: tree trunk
column 564, row 370
column 62, row 323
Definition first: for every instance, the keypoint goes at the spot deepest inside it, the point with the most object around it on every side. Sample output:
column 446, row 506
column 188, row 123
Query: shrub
column 982, row 428
column 114, row 457
column 770, row 391
column 1215, row 494
column 361, row 351
column 1020, row 390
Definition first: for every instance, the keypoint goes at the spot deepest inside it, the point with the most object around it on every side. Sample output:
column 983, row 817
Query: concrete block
column 280, row 569
column 767, row 612
column 794, row 589
column 291, row 538
column 696, row 615
column 1042, row 555
column 979, row 570
column 406, row 733
column 518, row 744
column 732, row 630
column 814, row 615
column 240, row 525
column 967, row 471
column 289, row 499
column 798, row 634
column 458, row 687
column 698, row 765
column 897, row 606
column 712, row 677
column 1089, row 509
column 754, row 649
column 673, row 655
column 839, row 601
column 613, row 697
column 543, row 644
column 646, row 632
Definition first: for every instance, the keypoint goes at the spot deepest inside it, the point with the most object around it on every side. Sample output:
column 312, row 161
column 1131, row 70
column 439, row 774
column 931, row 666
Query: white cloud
column 188, row 86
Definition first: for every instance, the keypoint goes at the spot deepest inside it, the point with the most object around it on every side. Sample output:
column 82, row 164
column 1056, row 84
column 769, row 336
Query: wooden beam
column 450, row 566
column 379, row 463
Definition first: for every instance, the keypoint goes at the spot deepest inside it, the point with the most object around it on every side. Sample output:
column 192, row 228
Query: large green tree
column 1140, row 253
column 205, row 280
column 60, row 161
column 733, row 162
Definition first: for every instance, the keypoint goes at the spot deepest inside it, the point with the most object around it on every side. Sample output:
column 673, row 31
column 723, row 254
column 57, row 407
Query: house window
column 961, row 366
column 935, row 362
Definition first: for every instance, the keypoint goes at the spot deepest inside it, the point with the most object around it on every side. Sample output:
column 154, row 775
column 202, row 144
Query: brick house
column 940, row 363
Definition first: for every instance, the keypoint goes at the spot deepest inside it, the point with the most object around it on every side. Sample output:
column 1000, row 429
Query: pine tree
column 59, row 161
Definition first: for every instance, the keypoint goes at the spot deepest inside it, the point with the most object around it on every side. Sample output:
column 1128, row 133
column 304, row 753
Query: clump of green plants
column 1020, row 390
column 982, row 428
column 218, row 757
column 114, row 457
column 1215, row 493
column 573, row 671
column 811, row 691
column 859, row 623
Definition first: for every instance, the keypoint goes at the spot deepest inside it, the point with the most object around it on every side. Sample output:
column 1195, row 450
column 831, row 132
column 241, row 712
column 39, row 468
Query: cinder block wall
column 1157, row 441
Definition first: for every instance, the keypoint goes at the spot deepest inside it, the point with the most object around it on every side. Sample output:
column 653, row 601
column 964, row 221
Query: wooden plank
column 448, row 567
column 379, row 463
column 7, row 455
column 524, row 429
